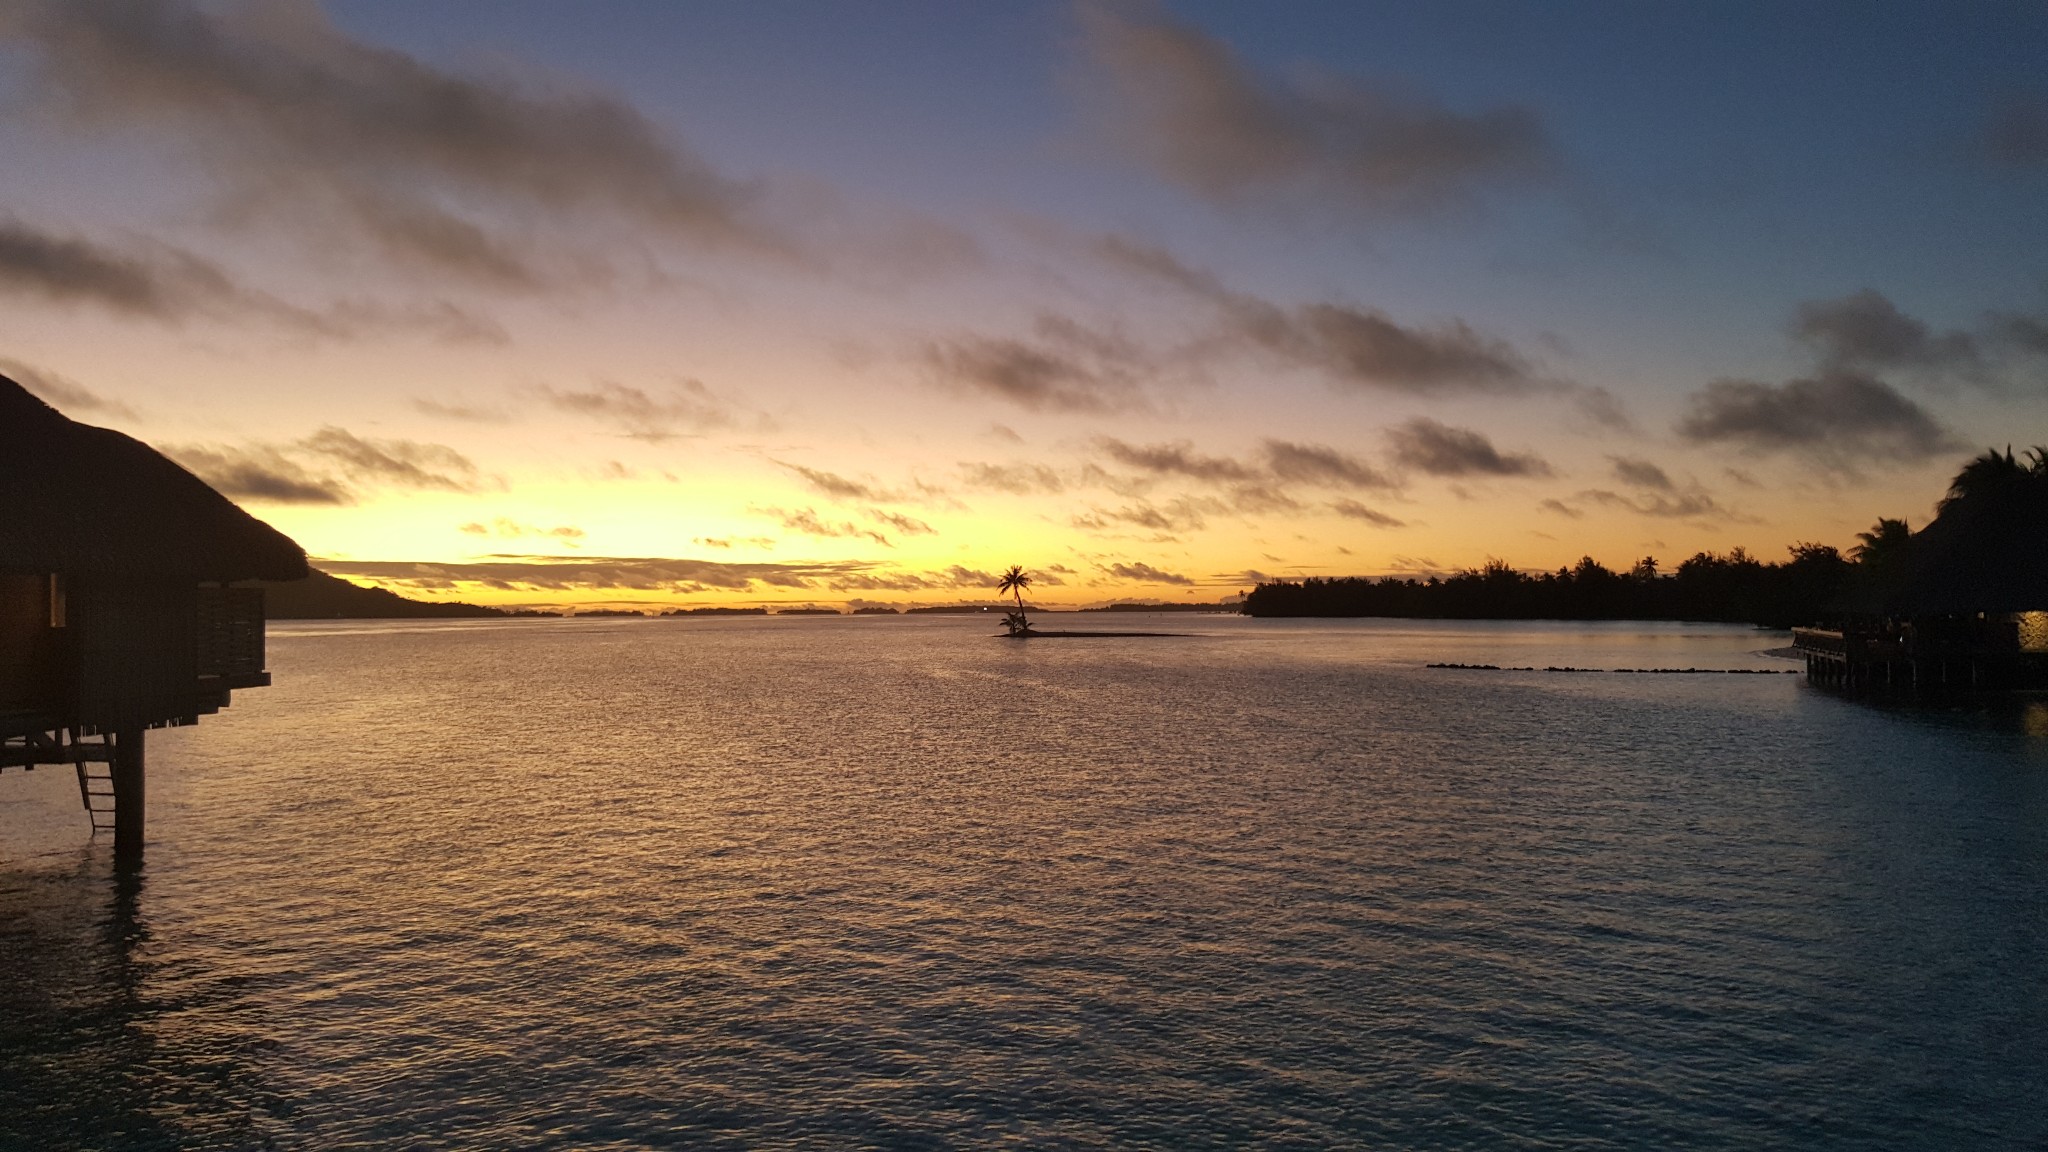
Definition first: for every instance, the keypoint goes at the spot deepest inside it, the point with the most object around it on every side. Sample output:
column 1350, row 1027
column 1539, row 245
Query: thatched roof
column 1985, row 554
column 84, row 500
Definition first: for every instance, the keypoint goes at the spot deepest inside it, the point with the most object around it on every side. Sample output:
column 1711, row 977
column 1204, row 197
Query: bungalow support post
column 129, row 804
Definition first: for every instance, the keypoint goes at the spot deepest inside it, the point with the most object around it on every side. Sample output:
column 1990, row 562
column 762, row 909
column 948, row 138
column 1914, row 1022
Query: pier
column 1943, row 654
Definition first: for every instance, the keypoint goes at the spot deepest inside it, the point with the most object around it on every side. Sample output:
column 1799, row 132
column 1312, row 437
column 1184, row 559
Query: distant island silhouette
column 320, row 596
column 1735, row 587
column 1983, row 559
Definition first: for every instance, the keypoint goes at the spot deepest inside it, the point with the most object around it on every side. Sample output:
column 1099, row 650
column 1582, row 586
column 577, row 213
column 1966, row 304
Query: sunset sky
column 781, row 303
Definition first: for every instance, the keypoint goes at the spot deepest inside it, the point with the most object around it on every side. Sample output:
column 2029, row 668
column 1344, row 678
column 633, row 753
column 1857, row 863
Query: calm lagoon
column 891, row 882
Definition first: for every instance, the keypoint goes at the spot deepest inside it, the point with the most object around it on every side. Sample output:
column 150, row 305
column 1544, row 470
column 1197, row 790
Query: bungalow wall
column 137, row 645
column 104, row 653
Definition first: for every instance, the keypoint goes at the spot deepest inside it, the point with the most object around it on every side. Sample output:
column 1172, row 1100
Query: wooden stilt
column 128, row 792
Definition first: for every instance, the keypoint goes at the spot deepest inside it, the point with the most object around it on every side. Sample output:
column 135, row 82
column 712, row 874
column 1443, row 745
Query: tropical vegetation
column 1984, row 551
column 1015, row 581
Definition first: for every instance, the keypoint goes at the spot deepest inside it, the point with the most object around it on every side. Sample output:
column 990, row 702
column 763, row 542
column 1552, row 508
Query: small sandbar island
column 1017, row 626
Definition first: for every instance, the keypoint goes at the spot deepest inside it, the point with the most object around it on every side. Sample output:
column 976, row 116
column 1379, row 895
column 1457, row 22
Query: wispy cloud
column 555, row 574
column 905, row 525
column 62, row 392
column 1017, row 479
column 159, row 282
column 261, row 474
column 1184, row 104
column 332, row 466
column 808, row 522
column 835, row 486
column 2016, row 133
column 1865, row 331
column 688, row 408
column 466, row 413
column 1641, row 473
column 1178, row 459
column 1353, row 510
column 1322, row 466
column 1353, row 346
column 1065, row 366
column 299, row 122
column 505, row 528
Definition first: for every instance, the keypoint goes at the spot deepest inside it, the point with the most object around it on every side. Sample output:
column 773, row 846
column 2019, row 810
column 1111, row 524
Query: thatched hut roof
column 83, row 500
column 1988, row 553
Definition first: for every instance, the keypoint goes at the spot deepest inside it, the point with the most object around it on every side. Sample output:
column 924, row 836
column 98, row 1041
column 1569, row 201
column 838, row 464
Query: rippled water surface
column 819, row 883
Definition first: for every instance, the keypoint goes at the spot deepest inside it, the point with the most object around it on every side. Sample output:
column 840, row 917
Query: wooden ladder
column 96, row 782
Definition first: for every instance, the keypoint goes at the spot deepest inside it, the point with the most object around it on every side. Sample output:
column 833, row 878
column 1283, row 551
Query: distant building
column 118, row 605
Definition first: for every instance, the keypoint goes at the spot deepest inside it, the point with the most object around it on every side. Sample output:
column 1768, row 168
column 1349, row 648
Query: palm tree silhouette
column 1995, row 472
column 1016, row 580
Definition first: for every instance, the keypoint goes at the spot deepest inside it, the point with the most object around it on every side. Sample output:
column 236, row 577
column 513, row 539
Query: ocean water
column 894, row 883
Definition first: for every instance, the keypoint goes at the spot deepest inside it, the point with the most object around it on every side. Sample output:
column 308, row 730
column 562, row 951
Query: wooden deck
column 1920, row 657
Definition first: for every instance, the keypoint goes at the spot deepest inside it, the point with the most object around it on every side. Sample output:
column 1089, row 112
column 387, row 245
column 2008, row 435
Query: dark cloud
column 2017, row 133
column 1183, row 103
column 1353, row 510
column 1350, row 345
column 1065, row 367
column 1830, row 418
column 764, row 543
column 1178, row 459
column 1440, row 450
column 1561, row 508
column 332, row 466
column 62, row 392
column 1322, row 466
column 1145, row 574
column 1641, row 474
column 1866, row 331
column 687, row 409
column 297, row 120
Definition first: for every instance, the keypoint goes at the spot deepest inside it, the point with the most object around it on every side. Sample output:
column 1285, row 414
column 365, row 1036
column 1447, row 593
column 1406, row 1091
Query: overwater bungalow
column 120, row 609
column 1967, row 607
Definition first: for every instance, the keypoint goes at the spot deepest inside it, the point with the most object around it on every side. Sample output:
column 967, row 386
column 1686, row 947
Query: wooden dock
column 1929, row 656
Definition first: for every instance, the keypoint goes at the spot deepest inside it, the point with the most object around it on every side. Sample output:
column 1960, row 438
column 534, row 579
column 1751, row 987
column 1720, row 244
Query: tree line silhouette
column 1997, row 499
column 1734, row 587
